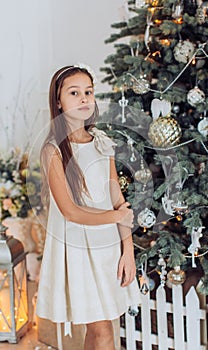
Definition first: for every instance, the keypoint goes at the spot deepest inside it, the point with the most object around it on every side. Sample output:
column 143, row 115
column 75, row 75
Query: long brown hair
column 59, row 131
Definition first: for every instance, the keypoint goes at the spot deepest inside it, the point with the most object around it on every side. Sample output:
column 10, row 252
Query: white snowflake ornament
column 146, row 218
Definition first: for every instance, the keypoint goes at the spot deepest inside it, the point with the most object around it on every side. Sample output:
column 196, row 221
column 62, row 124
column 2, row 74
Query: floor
column 30, row 340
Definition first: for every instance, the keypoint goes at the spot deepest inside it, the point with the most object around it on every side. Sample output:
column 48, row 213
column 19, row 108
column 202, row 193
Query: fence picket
column 193, row 320
column 146, row 322
column 178, row 319
column 130, row 332
column 162, row 319
column 189, row 322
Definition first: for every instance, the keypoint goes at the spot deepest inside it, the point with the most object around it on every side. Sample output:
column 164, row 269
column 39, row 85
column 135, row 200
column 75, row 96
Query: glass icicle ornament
column 162, row 272
column 176, row 276
column 143, row 279
column 130, row 143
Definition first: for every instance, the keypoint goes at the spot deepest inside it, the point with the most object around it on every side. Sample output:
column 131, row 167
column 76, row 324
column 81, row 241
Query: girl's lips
column 84, row 108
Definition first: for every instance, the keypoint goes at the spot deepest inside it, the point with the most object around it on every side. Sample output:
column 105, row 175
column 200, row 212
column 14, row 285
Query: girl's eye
column 89, row 92
column 74, row 93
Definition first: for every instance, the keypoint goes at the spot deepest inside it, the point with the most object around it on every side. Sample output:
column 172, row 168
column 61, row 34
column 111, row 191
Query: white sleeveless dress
column 78, row 278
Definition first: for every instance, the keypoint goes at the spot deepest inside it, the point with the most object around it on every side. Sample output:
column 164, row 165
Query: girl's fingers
column 120, row 271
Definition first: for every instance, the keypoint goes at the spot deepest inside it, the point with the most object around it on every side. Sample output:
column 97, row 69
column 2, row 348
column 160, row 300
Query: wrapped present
column 53, row 335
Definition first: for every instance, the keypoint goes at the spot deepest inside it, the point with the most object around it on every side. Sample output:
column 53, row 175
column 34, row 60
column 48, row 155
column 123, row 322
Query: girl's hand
column 126, row 269
column 127, row 215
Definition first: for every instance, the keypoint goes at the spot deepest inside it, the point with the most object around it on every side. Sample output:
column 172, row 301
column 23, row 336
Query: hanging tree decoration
column 183, row 51
column 141, row 85
column 203, row 126
column 143, row 279
column 150, row 13
column 164, row 132
column 130, row 143
column 124, row 181
column 201, row 12
column 146, row 218
column 179, row 207
column 167, row 202
column 133, row 310
column 177, row 10
column 160, row 107
column 196, row 234
column 195, row 96
column 123, row 104
column 176, row 276
column 162, row 272
column 200, row 15
column 143, row 175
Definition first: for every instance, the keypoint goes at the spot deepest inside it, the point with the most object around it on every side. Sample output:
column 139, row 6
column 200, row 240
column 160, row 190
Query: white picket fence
column 189, row 322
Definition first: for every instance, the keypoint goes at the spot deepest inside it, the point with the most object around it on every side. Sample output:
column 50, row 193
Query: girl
column 88, row 268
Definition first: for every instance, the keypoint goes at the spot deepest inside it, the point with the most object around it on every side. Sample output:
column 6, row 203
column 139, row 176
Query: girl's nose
column 84, row 98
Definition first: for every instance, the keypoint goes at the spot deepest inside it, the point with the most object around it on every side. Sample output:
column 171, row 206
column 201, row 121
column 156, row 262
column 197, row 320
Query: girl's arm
column 63, row 197
column 118, row 201
column 127, row 267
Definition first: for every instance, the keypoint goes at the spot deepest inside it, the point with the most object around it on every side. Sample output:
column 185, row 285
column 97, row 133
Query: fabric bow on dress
column 102, row 142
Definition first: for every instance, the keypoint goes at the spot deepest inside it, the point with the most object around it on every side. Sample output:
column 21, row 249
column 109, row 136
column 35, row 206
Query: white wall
column 36, row 38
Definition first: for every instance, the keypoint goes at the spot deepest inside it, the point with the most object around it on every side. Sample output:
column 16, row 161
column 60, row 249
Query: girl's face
column 77, row 97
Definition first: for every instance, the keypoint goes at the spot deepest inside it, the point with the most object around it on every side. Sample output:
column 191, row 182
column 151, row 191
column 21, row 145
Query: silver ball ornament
column 183, row 51
column 195, row 96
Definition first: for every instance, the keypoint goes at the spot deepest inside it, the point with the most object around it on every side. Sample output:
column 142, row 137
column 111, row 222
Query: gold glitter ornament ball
column 164, row 132
column 141, row 87
column 123, row 181
column 176, row 276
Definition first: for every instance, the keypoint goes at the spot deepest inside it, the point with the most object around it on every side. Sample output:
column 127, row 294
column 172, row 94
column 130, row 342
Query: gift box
column 53, row 335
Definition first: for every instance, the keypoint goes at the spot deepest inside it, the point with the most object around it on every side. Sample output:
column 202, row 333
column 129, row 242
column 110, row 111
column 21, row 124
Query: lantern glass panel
column 5, row 310
column 13, row 298
column 20, row 290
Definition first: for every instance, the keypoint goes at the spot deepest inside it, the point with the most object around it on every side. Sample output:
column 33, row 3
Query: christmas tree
column 158, row 76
